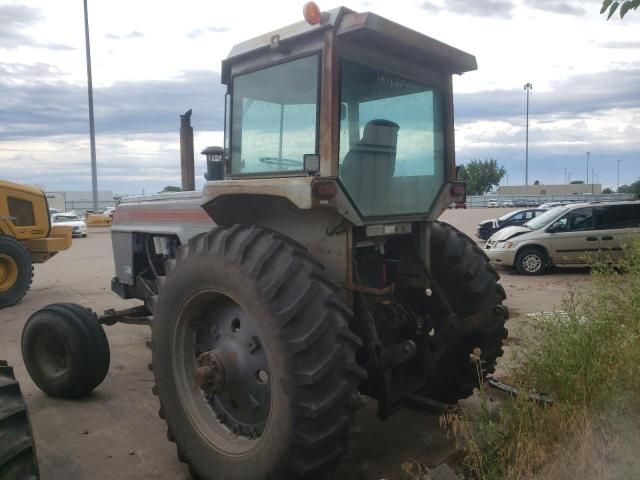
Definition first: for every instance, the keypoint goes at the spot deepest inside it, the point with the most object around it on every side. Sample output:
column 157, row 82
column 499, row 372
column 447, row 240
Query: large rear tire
column 16, row 271
column 465, row 276
column 17, row 449
column 253, row 358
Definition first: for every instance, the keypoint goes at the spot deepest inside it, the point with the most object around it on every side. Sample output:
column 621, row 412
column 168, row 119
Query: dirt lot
column 116, row 433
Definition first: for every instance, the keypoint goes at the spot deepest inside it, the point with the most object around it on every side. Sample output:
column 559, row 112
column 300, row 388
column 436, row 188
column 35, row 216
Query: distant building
column 565, row 189
column 79, row 201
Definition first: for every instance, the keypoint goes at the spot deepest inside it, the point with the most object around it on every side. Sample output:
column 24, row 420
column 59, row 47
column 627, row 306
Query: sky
column 154, row 60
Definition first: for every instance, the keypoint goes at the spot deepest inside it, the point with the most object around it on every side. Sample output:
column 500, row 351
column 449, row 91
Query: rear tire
column 16, row 271
column 463, row 273
column 252, row 299
column 65, row 350
column 17, row 449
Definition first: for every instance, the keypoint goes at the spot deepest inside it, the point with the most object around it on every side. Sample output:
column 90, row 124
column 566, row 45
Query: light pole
column 92, row 130
column 569, row 177
column 565, row 175
column 593, row 176
column 619, row 174
column 527, row 87
column 588, row 155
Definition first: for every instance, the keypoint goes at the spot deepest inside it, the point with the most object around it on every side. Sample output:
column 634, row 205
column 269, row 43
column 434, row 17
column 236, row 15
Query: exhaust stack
column 186, row 153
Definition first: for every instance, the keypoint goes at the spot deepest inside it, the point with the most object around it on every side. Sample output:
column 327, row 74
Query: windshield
column 274, row 117
column 65, row 218
column 391, row 142
column 507, row 215
column 544, row 219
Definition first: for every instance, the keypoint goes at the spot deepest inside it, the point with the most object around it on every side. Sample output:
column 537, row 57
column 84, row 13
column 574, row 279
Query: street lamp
column 588, row 155
column 92, row 130
column 619, row 174
column 527, row 87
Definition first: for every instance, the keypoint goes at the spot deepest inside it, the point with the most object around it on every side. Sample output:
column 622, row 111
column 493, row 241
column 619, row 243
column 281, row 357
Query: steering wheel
column 280, row 162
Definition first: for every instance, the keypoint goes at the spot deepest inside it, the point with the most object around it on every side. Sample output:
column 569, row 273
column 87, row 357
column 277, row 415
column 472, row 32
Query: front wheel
column 531, row 261
column 16, row 271
column 65, row 350
column 253, row 359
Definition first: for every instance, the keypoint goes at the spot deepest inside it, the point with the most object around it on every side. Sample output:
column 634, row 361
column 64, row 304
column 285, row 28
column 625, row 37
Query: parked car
column 507, row 204
column 569, row 235
column 79, row 227
column 493, row 203
column 109, row 211
column 533, row 203
column 519, row 217
column 549, row 205
column 520, row 203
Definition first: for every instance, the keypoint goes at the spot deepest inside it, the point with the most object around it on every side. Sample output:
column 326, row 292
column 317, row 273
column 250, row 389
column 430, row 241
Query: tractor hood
column 509, row 232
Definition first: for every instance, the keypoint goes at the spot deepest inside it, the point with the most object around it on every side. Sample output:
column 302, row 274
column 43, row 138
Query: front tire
column 65, row 350
column 253, row 359
column 16, row 271
column 17, row 449
column 531, row 261
column 470, row 283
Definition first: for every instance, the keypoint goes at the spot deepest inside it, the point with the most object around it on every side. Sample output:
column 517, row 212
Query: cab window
column 21, row 212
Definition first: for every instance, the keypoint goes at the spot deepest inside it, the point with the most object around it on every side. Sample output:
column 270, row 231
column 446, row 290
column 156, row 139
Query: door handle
column 592, row 239
column 608, row 237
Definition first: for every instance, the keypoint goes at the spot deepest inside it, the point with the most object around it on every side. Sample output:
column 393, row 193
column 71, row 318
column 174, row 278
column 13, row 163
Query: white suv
column 567, row 235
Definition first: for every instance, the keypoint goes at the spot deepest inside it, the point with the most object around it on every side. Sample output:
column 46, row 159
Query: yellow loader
column 26, row 237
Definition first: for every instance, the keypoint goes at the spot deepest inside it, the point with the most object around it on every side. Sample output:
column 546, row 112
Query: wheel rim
column 222, row 372
column 532, row 262
column 52, row 355
column 8, row 272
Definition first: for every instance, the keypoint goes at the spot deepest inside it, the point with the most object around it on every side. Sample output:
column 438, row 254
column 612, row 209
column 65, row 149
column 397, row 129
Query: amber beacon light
column 313, row 15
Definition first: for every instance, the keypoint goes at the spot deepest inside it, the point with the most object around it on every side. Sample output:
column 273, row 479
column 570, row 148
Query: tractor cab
column 350, row 101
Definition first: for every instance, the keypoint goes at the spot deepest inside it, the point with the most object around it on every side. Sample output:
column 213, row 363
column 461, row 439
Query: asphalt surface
column 115, row 433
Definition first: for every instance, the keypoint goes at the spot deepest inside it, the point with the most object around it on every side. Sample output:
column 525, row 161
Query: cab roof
column 372, row 30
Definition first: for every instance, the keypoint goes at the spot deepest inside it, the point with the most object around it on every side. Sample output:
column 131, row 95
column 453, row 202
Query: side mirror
column 555, row 228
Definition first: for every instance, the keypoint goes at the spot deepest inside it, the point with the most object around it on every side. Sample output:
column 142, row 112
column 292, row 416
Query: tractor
column 311, row 270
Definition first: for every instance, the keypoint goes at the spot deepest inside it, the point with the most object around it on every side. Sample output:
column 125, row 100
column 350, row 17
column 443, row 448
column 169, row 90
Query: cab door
column 573, row 238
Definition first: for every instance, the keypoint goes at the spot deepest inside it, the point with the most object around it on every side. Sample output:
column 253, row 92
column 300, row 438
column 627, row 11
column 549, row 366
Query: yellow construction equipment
column 26, row 237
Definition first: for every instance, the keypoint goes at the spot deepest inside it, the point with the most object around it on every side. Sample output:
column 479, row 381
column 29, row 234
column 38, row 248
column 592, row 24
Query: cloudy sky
column 154, row 60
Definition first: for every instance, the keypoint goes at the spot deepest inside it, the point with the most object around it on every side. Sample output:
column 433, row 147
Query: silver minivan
column 567, row 235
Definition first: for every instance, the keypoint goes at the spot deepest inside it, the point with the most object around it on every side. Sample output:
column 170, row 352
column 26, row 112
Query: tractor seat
column 370, row 164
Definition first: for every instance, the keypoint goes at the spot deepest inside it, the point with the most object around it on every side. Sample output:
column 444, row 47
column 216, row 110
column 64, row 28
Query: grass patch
column 588, row 362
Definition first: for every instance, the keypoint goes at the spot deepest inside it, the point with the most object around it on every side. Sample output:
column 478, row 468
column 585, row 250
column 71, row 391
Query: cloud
column 477, row 8
column 578, row 94
column 562, row 7
column 620, row 44
column 34, row 108
column 14, row 19
column 201, row 31
column 133, row 34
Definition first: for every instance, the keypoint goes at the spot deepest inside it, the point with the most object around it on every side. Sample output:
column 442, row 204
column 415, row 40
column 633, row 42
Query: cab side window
column 612, row 217
column 21, row 212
